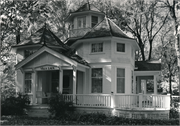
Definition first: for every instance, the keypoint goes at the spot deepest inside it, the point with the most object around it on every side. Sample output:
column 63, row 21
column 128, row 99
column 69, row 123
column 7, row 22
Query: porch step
column 38, row 112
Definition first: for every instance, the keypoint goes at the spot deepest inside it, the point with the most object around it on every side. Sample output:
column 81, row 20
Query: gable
column 46, row 59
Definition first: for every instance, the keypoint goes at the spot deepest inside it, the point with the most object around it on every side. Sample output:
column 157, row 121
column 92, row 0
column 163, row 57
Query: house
column 95, row 65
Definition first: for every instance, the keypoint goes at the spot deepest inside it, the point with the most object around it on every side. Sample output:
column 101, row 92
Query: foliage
column 59, row 107
column 15, row 105
column 7, row 81
column 86, row 119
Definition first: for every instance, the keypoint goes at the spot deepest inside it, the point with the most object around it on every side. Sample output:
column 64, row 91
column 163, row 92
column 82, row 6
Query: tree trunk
column 150, row 49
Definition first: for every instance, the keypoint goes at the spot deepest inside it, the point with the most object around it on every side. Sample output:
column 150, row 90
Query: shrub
column 174, row 113
column 58, row 106
column 15, row 105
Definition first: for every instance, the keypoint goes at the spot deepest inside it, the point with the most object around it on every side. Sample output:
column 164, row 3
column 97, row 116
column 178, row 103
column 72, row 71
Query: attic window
column 94, row 21
column 97, row 47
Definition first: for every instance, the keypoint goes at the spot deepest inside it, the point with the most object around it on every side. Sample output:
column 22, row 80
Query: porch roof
column 147, row 66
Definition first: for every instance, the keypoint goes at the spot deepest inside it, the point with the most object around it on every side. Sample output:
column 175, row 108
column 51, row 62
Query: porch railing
column 142, row 101
column 103, row 100
column 129, row 101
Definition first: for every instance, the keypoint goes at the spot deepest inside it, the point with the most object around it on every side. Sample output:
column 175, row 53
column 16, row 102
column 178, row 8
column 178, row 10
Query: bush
column 59, row 107
column 174, row 113
column 15, row 105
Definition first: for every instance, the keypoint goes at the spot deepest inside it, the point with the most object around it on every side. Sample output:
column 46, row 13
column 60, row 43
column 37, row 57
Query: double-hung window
column 28, row 82
column 97, row 79
column 120, row 47
column 81, row 22
column 120, row 80
column 97, row 47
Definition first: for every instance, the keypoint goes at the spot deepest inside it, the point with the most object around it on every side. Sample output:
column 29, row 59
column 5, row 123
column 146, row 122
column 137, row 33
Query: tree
column 141, row 18
column 169, row 61
column 174, row 8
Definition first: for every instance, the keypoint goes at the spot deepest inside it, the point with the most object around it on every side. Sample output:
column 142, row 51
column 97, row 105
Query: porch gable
column 45, row 56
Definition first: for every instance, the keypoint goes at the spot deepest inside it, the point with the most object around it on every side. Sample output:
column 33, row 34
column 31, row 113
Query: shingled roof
column 146, row 66
column 87, row 7
column 43, row 36
column 106, row 28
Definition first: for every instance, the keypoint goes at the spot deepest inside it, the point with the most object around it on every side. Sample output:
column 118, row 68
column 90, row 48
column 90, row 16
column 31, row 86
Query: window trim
column 121, row 77
column 81, row 19
column 95, row 77
column 90, row 46
column 124, row 47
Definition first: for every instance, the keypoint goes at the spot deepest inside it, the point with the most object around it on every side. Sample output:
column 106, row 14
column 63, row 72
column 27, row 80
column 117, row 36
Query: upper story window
column 28, row 53
column 81, row 22
column 28, row 82
column 120, row 47
column 94, row 21
column 97, row 47
column 120, row 80
column 97, row 79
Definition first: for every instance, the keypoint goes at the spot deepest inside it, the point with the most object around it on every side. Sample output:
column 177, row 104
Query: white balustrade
column 124, row 101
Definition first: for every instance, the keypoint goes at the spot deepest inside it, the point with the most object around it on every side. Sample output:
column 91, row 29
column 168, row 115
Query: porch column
column 60, row 81
column 155, row 85
column 74, row 82
column 34, row 87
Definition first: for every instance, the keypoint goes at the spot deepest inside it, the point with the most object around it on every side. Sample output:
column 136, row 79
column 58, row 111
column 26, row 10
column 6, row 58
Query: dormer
column 83, row 19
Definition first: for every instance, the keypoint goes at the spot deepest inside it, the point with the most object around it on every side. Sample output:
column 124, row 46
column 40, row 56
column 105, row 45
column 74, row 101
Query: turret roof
column 106, row 28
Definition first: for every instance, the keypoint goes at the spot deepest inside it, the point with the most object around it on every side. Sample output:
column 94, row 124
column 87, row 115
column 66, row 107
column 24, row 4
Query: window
column 97, row 77
column 81, row 22
column 94, row 21
column 28, row 53
column 120, row 47
column 28, row 82
column 97, row 47
column 120, row 80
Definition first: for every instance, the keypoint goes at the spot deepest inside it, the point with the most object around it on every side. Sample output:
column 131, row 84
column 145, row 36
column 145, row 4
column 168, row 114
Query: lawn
column 85, row 119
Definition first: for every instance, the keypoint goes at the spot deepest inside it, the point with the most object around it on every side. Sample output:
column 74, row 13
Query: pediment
column 46, row 59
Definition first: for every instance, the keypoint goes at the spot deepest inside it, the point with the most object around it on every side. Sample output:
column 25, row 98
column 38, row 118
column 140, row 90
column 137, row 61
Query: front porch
column 130, row 106
column 131, row 101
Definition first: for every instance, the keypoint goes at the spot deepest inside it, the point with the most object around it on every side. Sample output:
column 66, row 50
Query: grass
column 83, row 119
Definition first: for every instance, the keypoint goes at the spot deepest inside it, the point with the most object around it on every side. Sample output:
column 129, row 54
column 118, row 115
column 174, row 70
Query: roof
column 43, row 37
column 146, row 66
column 87, row 7
column 70, row 41
column 106, row 28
